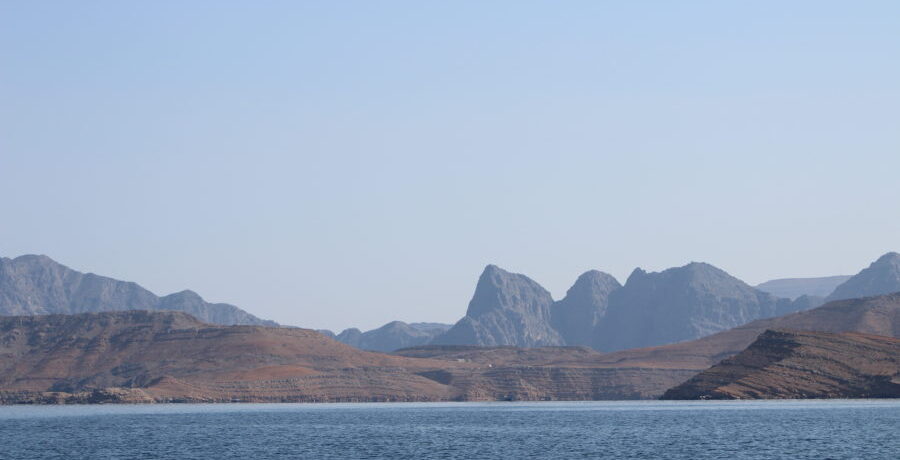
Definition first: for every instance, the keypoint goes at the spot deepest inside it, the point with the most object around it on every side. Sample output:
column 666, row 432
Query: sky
column 336, row 164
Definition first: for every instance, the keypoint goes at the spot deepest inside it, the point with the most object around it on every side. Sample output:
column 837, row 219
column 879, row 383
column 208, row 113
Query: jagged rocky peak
column 498, row 289
column 592, row 287
column 577, row 315
column 881, row 277
column 506, row 309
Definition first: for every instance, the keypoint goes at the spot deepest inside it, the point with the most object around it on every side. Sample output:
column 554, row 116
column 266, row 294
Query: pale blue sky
column 336, row 164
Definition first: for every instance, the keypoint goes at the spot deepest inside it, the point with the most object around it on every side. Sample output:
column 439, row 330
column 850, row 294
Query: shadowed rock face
column 37, row 285
column 506, row 309
column 881, row 277
column 681, row 304
column 392, row 336
column 581, row 311
column 792, row 288
column 801, row 364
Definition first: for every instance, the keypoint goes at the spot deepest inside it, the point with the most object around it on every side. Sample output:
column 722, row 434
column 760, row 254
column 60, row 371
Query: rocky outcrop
column 881, row 277
column 581, row 311
column 392, row 336
column 681, row 304
column 784, row 364
column 675, row 305
column 792, row 288
column 37, row 285
column 506, row 309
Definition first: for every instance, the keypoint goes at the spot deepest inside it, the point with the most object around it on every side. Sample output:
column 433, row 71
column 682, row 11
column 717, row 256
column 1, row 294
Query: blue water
column 866, row 429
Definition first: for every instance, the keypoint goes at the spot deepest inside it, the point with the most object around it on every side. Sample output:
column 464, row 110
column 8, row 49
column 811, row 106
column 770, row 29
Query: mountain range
column 143, row 356
column 651, row 308
column 507, row 309
column 37, row 285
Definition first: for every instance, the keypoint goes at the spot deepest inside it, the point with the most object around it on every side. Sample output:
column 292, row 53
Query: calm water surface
column 864, row 429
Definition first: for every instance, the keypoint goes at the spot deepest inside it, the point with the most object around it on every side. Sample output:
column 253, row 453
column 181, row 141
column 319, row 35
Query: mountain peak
column 880, row 277
column 889, row 258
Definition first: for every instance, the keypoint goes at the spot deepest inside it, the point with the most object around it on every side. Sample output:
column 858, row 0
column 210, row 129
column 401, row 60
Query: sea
column 832, row 429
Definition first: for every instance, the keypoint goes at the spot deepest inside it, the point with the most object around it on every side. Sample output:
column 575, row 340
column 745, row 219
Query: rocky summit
column 578, row 315
column 679, row 304
column 881, row 277
column 506, row 309
column 37, row 285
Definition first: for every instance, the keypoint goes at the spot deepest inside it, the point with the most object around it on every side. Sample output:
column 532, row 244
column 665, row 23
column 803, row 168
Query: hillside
column 140, row 356
column 793, row 364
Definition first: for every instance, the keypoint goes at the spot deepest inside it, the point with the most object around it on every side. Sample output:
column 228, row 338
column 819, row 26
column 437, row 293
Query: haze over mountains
column 791, row 288
column 677, row 304
column 37, row 285
column 507, row 309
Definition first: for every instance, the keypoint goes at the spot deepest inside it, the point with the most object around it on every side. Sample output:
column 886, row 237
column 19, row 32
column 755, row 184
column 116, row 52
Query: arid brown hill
column 871, row 315
column 784, row 364
column 677, row 362
column 139, row 356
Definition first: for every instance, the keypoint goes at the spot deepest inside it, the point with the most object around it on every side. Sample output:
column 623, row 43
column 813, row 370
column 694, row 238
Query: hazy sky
column 337, row 163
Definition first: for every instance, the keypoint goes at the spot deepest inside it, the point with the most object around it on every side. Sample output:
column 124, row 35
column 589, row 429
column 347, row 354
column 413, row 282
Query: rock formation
column 506, row 309
column 681, row 304
column 784, row 364
column 37, row 285
column 577, row 316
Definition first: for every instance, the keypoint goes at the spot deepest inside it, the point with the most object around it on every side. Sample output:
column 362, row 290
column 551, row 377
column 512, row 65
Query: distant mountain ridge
column 792, row 288
column 392, row 336
column 38, row 285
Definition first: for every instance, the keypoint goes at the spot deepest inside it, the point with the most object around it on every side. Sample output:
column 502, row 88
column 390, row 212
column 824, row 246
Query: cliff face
column 881, row 277
column 37, row 285
column 506, row 309
column 794, row 364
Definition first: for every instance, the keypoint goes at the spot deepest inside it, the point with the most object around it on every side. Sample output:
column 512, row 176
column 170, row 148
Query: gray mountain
column 580, row 312
column 681, row 304
column 506, row 309
column 792, row 288
column 37, row 285
column 881, row 277
column 392, row 336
